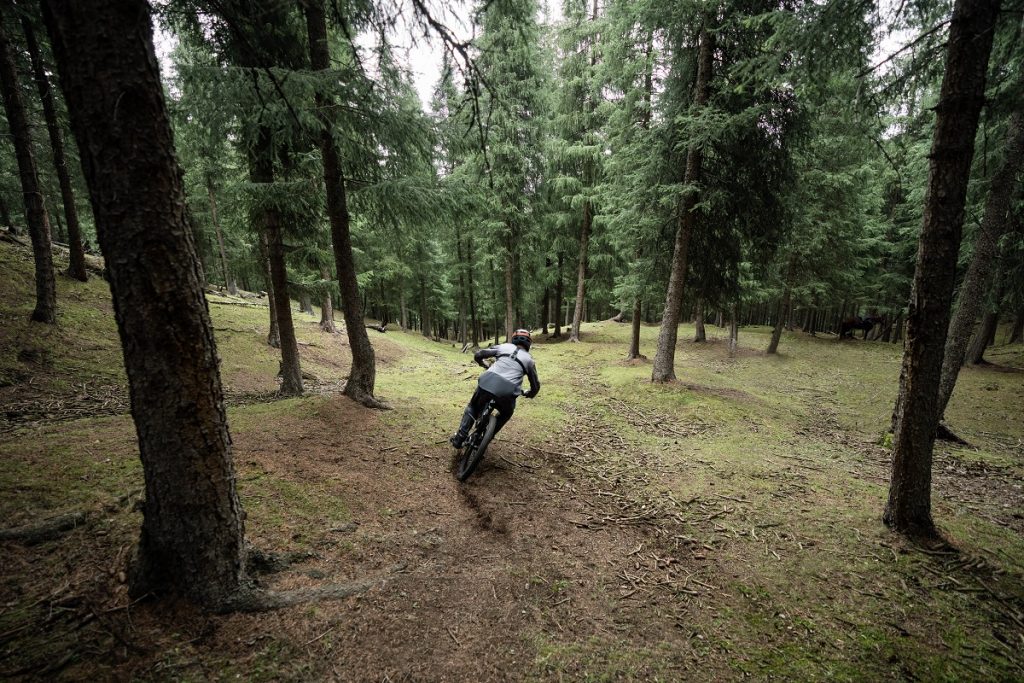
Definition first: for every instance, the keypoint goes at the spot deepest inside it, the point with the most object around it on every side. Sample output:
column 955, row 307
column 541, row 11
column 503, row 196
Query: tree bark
column 734, row 331
column 994, row 224
column 783, row 307
column 192, row 533
column 961, row 97
column 581, row 274
column 664, row 359
column 462, row 287
column 557, row 318
column 472, row 296
column 1018, row 328
column 229, row 282
column 5, row 216
column 403, row 308
column 425, row 322
column 35, row 207
column 979, row 342
column 634, row 336
column 261, row 172
column 274, row 334
column 700, row 334
column 305, row 303
column 510, row 314
column 363, row 375
column 327, row 307
column 76, row 267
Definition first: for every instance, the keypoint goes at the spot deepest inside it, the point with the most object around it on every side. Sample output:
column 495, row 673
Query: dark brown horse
column 848, row 326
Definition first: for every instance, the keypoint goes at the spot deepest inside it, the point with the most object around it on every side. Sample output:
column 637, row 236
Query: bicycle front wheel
column 474, row 453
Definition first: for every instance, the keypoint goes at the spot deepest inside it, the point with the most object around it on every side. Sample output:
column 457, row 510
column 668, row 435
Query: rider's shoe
column 457, row 441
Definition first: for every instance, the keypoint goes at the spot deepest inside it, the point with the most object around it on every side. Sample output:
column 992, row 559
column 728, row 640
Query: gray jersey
column 505, row 376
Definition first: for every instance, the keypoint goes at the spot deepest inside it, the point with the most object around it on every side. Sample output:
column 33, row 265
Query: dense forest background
column 545, row 179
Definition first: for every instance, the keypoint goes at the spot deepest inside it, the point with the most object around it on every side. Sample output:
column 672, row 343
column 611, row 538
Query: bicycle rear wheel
column 473, row 453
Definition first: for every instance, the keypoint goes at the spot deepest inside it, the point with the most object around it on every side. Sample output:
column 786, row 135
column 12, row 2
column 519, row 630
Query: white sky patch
column 423, row 54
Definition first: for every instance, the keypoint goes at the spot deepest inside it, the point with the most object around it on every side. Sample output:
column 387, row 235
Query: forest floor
column 721, row 527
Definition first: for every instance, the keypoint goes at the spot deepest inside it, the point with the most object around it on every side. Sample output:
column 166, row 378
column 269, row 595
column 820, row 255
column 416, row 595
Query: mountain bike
column 472, row 452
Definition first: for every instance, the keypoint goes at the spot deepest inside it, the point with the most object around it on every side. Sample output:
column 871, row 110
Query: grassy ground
column 721, row 527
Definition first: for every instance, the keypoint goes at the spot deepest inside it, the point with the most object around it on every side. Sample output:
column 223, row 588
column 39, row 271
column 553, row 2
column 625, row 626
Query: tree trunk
column 510, row 314
column 425, row 322
column 700, row 335
column 634, row 337
column 261, row 173
column 557, row 318
column 1018, row 328
column 76, row 267
column 472, row 296
column 274, row 334
column 61, row 237
column 783, row 307
column 979, row 342
column 916, row 416
column 192, row 532
column 994, row 224
column 363, row 375
column 5, row 216
column 403, row 307
column 664, row 359
column 462, row 288
column 327, row 307
column 581, row 275
column 35, row 208
column 545, row 305
column 305, row 303
column 229, row 282
column 734, row 331
column 780, row 312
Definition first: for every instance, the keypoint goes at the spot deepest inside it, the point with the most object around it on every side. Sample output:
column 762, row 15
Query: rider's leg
column 506, row 406
column 469, row 415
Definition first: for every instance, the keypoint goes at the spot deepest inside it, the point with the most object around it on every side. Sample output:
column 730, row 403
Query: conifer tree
column 45, row 310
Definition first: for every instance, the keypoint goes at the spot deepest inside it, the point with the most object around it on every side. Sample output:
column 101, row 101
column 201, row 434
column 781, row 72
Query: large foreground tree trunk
column 76, row 267
column 916, row 416
column 664, row 359
column 581, row 273
column 994, row 224
column 35, row 207
column 261, row 172
column 363, row 374
column 191, row 542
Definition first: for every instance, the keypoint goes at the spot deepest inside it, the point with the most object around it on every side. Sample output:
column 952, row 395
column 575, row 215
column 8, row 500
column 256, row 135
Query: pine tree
column 35, row 207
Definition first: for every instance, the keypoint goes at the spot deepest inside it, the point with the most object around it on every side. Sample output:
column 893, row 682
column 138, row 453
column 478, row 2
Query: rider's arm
column 484, row 353
column 531, row 374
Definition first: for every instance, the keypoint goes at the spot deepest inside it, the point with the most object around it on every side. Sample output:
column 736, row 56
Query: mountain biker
column 503, row 382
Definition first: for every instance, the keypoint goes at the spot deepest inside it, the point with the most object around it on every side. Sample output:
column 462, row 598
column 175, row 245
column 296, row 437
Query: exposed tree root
column 261, row 562
column 368, row 400
column 944, row 433
column 47, row 530
column 253, row 600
